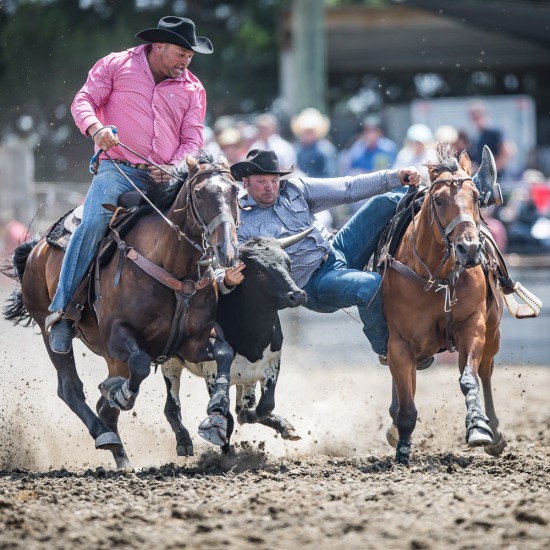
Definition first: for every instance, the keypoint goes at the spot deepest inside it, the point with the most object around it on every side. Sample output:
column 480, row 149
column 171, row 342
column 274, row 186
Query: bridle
column 444, row 230
column 206, row 249
column 461, row 218
column 193, row 214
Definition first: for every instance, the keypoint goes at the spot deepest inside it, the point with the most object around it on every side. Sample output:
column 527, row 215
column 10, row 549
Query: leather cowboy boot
column 486, row 180
column 61, row 336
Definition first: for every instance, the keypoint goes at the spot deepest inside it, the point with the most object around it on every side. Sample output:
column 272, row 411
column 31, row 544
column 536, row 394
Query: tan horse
column 164, row 304
column 437, row 296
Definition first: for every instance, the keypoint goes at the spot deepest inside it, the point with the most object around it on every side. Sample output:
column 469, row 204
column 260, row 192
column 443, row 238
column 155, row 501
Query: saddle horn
column 285, row 242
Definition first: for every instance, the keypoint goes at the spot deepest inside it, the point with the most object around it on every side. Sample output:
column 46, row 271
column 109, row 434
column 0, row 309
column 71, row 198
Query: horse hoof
column 115, row 390
column 402, row 458
column 403, row 452
column 214, row 429
column 479, row 437
column 495, row 449
column 392, row 435
column 108, row 441
column 185, row 450
column 227, row 450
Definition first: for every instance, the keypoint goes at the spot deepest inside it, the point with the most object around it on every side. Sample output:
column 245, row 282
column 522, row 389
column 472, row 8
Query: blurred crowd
column 522, row 224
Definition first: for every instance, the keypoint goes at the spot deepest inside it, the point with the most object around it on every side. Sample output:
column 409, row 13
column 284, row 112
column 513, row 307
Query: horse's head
column 211, row 206
column 454, row 209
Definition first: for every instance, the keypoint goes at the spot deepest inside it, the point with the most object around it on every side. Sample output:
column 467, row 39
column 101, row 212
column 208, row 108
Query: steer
column 250, row 321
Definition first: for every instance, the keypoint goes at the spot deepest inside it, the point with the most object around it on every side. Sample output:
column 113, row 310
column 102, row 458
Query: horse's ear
column 465, row 162
column 192, row 163
column 224, row 162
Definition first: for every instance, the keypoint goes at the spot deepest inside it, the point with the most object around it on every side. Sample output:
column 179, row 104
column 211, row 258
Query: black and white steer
column 250, row 321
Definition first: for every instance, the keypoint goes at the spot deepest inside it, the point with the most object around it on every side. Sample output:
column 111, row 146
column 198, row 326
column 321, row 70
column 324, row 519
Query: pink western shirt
column 162, row 122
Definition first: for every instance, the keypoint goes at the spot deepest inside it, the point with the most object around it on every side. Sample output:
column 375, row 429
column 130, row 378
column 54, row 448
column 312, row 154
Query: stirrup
column 531, row 306
column 52, row 319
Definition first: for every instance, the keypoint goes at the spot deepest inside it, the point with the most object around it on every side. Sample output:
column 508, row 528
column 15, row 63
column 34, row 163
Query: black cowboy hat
column 178, row 31
column 258, row 161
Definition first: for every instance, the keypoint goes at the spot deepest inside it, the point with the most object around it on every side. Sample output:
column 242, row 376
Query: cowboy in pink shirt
column 158, row 108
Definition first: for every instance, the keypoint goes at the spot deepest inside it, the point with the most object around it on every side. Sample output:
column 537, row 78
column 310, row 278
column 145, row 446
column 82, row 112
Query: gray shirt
column 299, row 199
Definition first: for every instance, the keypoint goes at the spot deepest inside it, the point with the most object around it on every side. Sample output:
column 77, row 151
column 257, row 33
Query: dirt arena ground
column 337, row 488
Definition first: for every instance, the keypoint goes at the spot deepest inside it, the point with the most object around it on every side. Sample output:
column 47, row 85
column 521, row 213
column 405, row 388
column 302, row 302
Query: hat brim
column 246, row 168
column 163, row 35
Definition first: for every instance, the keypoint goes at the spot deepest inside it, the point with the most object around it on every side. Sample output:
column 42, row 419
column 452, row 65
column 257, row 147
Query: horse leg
column 403, row 370
column 492, row 344
column 215, row 428
column 121, row 392
column 226, row 448
column 171, row 370
column 392, row 435
column 71, row 390
column 228, row 427
column 478, row 431
column 109, row 416
column 498, row 444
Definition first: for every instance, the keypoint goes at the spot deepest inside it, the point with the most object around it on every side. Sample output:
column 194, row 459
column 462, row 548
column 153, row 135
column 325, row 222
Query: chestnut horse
column 164, row 302
column 437, row 296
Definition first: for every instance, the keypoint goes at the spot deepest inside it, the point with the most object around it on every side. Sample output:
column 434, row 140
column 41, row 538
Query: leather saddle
column 407, row 208
column 131, row 208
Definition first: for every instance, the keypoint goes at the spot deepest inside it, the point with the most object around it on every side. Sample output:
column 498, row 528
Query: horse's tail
column 15, row 310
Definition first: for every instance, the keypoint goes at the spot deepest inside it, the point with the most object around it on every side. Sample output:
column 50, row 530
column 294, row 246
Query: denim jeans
column 106, row 187
column 341, row 282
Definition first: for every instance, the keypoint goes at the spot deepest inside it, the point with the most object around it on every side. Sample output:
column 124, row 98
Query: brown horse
column 437, row 296
column 164, row 303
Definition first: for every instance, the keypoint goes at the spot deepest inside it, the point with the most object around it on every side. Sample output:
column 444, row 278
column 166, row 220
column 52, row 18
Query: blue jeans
column 341, row 282
column 106, row 187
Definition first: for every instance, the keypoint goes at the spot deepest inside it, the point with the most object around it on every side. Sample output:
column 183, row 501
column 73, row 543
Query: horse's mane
column 163, row 197
column 446, row 160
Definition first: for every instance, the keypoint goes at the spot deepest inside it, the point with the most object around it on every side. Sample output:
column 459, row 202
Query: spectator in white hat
column 417, row 150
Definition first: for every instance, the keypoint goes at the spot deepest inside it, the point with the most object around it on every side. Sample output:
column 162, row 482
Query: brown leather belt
column 140, row 166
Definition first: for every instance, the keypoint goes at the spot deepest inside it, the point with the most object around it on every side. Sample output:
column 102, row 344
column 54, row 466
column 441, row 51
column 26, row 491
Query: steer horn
column 288, row 241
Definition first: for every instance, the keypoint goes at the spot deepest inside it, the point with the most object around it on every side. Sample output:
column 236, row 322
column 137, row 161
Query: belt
column 139, row 166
